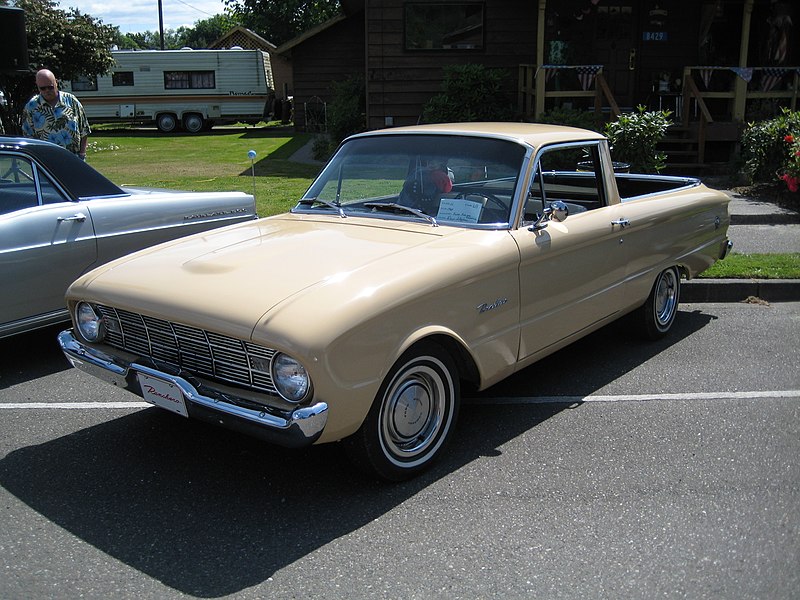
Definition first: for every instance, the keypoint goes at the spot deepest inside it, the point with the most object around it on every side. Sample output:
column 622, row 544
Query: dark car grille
column 200, row 352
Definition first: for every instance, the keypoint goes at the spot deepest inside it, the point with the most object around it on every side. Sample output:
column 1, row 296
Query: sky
column 132, row 16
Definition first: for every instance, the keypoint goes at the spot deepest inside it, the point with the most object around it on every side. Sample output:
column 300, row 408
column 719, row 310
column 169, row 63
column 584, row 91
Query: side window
column 445, row 26
column 122, row 78
column 17, row 184
column 570, row 173
column 50, row 193
column 84, row 84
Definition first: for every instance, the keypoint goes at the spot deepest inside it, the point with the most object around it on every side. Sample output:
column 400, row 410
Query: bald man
column 56, row 116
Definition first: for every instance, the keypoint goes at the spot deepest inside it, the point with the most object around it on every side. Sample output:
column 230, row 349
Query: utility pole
column 161, row 24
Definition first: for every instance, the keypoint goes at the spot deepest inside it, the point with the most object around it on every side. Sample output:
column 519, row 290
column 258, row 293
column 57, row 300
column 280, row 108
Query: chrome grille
column 203, row 353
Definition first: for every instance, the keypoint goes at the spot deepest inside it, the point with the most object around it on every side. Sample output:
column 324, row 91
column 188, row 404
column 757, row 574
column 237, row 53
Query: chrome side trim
column 297, row 428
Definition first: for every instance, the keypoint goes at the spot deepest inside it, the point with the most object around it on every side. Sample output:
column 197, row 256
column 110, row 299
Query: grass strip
column 755, row 266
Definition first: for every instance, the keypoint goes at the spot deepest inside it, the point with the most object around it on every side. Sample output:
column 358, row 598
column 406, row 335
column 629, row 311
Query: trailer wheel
column 193, row 123
column 166, row 123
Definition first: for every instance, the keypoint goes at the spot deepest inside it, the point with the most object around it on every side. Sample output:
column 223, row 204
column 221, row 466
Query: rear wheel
column 193, row 123
column 167, row 123
column 658, row 313
column 412, row 417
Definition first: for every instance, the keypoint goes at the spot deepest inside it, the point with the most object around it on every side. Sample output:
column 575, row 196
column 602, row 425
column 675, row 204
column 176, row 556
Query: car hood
column 228, row 279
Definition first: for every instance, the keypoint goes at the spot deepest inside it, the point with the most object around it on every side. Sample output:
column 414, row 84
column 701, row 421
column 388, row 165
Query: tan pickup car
column 421, row 260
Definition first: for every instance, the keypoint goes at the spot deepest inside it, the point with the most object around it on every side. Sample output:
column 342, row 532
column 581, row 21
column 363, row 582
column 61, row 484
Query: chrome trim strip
column 300, row 427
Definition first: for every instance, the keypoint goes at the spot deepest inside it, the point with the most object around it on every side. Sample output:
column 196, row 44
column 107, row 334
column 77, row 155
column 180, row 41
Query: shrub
column 469, row 93
column 570, row 117
column 346, row 115
column 765, row 150
column 634, row 136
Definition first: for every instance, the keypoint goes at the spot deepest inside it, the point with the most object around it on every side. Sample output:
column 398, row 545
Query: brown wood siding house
column 646, row 50
column 403, row 74
column 326, row 54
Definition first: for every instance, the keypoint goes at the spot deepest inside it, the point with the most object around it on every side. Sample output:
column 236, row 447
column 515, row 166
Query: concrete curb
column 738, row 290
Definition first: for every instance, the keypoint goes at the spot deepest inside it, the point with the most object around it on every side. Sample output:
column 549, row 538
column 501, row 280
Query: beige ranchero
column 420, row 260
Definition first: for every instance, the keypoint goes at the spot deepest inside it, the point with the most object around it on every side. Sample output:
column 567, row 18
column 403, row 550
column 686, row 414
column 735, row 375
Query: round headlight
column 290, row 378
column 89, row 324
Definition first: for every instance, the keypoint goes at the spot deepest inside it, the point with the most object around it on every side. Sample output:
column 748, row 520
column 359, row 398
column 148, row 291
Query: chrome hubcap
column 666, row 297
column 414, row 411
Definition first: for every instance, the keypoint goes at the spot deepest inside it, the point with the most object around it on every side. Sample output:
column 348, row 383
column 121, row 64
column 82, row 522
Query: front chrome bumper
column 295, row 429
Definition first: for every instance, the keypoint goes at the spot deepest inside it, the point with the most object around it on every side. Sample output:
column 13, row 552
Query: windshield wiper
column 401, row 207
column 312, row 201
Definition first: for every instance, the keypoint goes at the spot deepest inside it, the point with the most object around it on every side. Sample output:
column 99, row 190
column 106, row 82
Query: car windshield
column 441, row 179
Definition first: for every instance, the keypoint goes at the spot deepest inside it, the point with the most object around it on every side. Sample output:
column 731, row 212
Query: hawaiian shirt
column 63, row 124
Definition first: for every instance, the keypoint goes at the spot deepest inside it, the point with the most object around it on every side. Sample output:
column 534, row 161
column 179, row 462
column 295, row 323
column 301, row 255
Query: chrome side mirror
column 556, row 211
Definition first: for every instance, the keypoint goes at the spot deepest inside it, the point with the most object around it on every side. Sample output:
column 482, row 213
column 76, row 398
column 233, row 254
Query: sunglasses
column 44, row 88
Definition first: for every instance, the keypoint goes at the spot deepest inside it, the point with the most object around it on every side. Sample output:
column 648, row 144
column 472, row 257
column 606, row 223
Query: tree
column 281, row 20
column 69, row 43
column 206, row 32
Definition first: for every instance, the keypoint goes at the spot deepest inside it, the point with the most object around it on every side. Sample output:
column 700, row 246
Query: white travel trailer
column 192, row 89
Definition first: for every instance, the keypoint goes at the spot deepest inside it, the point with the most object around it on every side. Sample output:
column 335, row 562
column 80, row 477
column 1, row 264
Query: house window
column 122, row 78
column 444, row 26
column 84, row 84
column 189, row 80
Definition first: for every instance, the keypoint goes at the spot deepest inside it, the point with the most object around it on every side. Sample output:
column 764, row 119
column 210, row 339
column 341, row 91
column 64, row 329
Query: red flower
column 789, row 138
column 793, row 183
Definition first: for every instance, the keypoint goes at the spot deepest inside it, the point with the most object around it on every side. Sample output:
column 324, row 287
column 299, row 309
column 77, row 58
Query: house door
column 616, row 47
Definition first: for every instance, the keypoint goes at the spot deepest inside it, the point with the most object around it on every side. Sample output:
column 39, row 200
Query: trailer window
column 189, row 80
column 84, row 84
column 122, row 78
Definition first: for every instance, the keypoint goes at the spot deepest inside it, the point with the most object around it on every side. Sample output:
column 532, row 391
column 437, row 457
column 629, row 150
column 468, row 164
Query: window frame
column 122, row 79
column 428, row 7
column 195, row 80
column 84, row 84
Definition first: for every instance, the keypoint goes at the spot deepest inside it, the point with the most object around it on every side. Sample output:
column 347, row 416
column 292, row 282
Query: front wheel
column 658, row 313
column 412, row 417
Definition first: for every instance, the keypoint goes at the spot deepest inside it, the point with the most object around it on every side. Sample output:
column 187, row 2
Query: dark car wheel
column 412, row 417
column 167, row 123
column 658, row 312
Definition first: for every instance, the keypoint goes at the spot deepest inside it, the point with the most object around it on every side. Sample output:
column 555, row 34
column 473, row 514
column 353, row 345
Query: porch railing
column 726, row 91
column 538, row 83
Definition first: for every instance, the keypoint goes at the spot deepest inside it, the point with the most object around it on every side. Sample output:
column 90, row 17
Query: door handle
column 621, row 222
column 80, row 217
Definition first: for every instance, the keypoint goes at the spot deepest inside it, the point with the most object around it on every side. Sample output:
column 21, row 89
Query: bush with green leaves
column 346, row 115
column 634, row 137
column 764, row 148
column 469, row 93
column 570, row 117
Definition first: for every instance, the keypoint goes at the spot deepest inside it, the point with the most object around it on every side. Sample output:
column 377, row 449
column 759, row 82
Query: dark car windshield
column 452, row 179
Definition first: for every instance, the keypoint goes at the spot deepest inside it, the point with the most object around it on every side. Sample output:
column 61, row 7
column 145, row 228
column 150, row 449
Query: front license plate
column 163, row 394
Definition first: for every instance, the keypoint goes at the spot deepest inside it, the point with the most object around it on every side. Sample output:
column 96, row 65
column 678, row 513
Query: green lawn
column 213, row 161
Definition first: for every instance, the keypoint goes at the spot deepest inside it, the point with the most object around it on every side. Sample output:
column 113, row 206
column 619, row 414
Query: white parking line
column 793, row 394
column 637, row 397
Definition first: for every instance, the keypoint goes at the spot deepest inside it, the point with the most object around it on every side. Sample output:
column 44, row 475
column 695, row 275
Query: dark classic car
column 59, row 218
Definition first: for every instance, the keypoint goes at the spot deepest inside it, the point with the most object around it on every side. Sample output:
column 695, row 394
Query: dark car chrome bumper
column 293, row 429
